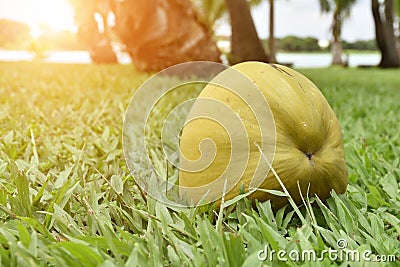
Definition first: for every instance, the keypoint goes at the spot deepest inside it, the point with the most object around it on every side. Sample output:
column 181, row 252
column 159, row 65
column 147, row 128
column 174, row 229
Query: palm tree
column 156, row 34
column 94, row 34
column 210, row 11
column 271, row 36
column 341, row 11
column 271, row 39
column 383, row 13
column 245, row 43
column 397, row 11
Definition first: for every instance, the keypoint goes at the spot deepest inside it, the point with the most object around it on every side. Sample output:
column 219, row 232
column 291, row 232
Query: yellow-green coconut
column 272, row 116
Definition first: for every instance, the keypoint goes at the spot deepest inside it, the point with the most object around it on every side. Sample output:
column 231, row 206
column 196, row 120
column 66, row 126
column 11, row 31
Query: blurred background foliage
column 153, row 35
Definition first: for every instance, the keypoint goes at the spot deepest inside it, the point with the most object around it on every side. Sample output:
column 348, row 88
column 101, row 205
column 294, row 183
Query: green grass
column 67, row 199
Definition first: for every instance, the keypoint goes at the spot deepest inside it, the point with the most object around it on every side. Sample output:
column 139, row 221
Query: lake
column 318, row 60
column 299, row 60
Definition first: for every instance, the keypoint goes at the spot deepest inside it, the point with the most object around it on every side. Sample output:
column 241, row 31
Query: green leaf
column 84, row 254
column 234, row 247
column 23, row 234
column 22, row 184
column 63, row 177
column 117, row 184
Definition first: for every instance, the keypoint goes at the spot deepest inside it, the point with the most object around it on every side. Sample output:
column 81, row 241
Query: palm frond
column 254, row 2
column 210, row 10
column 344, row 7
column 325, row 6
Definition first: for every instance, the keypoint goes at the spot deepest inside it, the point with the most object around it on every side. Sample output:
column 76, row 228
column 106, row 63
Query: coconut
column 239, row 139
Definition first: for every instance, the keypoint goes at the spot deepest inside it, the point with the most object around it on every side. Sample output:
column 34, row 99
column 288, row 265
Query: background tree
column 366, row 45
column 161, row 33
column 272, row 42
column 384, row 30
column 297, row 44
column 210, row 11
column 155, row 33
column 397, row 11
column 13, row 34
column 245, row 43
column 341, row 11
column 213, row 10
column 91, row 17
column 271, row 39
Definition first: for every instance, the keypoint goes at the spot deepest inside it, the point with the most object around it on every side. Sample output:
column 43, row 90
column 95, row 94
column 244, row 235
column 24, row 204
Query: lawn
column 67, row 198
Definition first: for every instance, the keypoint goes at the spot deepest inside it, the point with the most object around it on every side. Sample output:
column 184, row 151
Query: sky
column 303, row 18
column 293, row 17
column 58, row 14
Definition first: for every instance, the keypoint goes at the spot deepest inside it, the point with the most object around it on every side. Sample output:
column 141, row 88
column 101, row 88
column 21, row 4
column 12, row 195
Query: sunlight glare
column 56, row 15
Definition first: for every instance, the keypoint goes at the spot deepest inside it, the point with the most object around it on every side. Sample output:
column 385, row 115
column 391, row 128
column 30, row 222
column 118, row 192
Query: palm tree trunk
column 98, row 43
column 271, row 41
column 245, row 44
column 384, row 31
column 336, row 44
column 158, row 34
column 398, row 38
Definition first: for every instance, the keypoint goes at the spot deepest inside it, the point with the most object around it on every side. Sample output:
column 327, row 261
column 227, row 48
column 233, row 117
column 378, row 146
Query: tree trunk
column 337, row 43
column 384, row 31
column 337, row 52
column 271, row 39
column 398, row 37
column 161, row 33
column 101, row 51
column 98, row 43
column 245, row 44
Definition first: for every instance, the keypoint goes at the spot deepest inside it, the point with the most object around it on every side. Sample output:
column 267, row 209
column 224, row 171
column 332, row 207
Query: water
column 299, row 60
column 318, row 60
column 54, row 56
column 8, row 55
column 68, row 57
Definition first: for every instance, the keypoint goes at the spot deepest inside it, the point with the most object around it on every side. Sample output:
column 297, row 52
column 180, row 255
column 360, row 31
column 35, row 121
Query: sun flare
column 44, row 15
